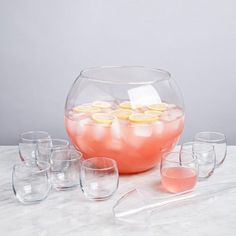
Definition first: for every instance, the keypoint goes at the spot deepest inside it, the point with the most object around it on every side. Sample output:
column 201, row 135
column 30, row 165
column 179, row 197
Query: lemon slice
column 153, row 112
column 143, row 118
column 122, row 113
column 158, row 107
column 103, row 118
column 86, row 109
column 101, row 104
column 129, row 105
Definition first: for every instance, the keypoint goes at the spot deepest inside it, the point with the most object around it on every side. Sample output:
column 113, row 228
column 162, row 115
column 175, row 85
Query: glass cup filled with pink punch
column 179, row 171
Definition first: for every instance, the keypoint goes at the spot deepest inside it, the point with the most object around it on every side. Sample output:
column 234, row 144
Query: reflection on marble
column 69, row 213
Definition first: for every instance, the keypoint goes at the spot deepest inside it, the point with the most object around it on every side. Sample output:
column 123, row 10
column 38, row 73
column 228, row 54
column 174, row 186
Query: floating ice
column 171, row 114
column 116, row 129
column 159, row 127
column 76, row 116
column 174, row 125
column 114, row 145
column 83, row 123
column 176, row 112
column 98, row 131
column 143, row 130
column 167, row 116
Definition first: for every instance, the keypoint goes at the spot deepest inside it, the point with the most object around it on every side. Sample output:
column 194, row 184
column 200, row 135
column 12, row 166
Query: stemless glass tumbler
column 218, row 140
column 131, row 114
column 48, row 148
column 179, row 171
column 65, row 169
column 28, row 144
column 206, row 157
column 31, row 184
column 99, row 178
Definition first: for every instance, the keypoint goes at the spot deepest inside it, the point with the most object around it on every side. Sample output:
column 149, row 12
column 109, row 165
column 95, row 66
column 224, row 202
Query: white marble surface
column 69, row 213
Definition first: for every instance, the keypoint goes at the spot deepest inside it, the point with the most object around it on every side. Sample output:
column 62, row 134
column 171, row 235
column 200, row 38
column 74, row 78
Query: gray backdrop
column 44, row 45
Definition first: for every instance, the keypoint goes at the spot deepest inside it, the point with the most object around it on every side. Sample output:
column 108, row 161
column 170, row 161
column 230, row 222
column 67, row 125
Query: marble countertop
column 69, row 213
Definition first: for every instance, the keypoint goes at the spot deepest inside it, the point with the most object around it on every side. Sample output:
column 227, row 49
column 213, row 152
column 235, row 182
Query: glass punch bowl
column 131, row 114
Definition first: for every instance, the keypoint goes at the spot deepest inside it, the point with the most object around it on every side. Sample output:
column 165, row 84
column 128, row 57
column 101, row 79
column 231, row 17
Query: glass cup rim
column 33, row 132
column 29, row 167
column 56, row 147
column 166, row 74
column 211, row 146
column 77, row 158
column 223, row 137
column 114, row 163
column 179, row 153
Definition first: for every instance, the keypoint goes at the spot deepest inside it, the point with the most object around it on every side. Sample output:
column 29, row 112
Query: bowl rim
column 164, row 74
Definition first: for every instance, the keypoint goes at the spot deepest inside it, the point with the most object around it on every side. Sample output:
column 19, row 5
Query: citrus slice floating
column 86, row 109
column 101, row 104
column 129, row 105
column 153, row 112
column 158, row 107
column 103, row 118
column 122, row 113
column 143, row 118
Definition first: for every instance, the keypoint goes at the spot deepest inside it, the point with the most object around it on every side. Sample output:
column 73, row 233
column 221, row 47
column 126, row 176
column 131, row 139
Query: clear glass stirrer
column 132, row 207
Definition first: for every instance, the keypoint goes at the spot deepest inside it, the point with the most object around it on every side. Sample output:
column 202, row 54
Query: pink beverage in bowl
column 134, row 127
column 179, row 171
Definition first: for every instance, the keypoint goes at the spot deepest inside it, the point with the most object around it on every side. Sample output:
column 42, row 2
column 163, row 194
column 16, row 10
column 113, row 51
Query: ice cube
column 173, row 125
column 83, row 123
column 167, row 116
column 171, row 114
column 176, row 112
column 77, row 116
column 116, row 130
column 76, row 126
column 85, row 147
column 159, row 127
column 172, row 119
column 73, row 127
column 98, row 131
column 114, row 145
column 142, row 130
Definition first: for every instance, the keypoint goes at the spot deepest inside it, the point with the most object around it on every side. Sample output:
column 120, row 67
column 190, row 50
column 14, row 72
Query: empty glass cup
column 206, row 157
column 65, row 169
column 28, row 144
column 219, row 142
column 99, row 178
column 31, row 183
column 179, row 171
column 47, row 148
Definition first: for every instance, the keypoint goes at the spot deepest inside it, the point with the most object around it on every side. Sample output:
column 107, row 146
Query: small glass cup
column 179, row 172
column 31, row 183
column 99, row 178
column 28, row 144
column 65, row 169
column 56, row 148
column 206, row 157
column 218, row 140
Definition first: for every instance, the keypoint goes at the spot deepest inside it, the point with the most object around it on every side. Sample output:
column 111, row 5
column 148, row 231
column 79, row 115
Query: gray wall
column 44, row 45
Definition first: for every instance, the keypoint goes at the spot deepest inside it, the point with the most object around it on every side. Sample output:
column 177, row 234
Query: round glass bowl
column 131, row 114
